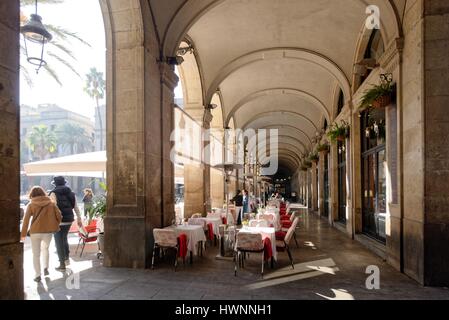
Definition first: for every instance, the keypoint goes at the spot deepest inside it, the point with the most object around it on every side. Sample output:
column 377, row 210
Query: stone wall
column 11, row 250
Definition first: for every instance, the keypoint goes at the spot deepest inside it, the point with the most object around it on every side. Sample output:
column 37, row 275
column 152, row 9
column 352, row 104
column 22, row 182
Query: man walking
column 65, row 199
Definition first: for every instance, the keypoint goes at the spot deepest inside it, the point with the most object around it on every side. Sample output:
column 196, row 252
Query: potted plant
column 98, row 211
column 314, row 157
column 323, row 147
column 379, row 96
column 307, row 163
column 338, row 132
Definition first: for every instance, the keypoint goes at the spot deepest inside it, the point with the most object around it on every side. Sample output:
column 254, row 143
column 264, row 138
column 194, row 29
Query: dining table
column 195, row 237
column 216, row 222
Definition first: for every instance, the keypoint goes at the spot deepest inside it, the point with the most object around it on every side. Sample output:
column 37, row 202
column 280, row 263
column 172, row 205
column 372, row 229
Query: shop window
column 373, row 173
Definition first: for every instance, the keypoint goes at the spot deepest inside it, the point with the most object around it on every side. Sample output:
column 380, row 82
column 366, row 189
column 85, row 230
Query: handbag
column 34, row 219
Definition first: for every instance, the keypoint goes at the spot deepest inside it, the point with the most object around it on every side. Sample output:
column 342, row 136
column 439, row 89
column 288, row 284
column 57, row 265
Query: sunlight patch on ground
column 302, row 271
column 339, row 294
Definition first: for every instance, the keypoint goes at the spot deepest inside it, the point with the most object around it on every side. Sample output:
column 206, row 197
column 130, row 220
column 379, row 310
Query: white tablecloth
column 265, row 232
column 194, row 235
column 276, row 218
column 216, row 222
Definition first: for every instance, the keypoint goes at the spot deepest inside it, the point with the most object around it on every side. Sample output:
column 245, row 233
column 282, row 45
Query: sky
column 83, row 17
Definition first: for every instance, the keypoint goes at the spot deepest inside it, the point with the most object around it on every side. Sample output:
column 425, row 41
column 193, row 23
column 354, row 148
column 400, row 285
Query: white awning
column 90, row 164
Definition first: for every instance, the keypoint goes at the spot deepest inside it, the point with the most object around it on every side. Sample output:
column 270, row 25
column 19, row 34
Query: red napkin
column 267, row 250
column 286, row 224
column 210, row 228
column 280, row 235
column 182, row 239
column 224, row 220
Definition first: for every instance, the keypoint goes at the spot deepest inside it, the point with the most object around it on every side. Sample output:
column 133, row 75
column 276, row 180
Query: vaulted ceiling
column 276, row 63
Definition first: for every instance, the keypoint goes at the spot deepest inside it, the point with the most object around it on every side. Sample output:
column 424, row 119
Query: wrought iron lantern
column 35, row 37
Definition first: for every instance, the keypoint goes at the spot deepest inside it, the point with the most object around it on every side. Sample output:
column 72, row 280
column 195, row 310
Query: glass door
column 373, row 175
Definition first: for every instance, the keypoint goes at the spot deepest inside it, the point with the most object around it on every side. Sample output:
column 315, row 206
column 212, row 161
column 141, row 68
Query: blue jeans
column 62, row 244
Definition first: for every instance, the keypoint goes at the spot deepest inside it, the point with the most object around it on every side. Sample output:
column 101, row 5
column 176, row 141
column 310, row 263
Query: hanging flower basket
column 382, row 101
column 323, row 148
column 338, row 132
column 341, row 138
column 379, row 96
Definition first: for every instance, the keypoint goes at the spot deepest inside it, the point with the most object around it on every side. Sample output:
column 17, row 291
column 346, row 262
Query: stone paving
column 328, row 265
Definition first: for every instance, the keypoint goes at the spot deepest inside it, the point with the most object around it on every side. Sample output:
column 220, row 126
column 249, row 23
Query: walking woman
column 88, row 200
column 46, row 218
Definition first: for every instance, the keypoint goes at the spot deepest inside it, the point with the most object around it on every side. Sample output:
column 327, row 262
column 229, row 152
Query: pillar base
column 11, row 271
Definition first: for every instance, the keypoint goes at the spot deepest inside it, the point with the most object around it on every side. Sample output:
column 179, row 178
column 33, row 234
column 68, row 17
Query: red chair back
column 182, row 240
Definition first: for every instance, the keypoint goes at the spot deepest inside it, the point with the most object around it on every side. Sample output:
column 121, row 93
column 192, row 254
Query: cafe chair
column 248, row 243
column 87, row 234
column 282, row 242
column 165, row 239
column 286, row 224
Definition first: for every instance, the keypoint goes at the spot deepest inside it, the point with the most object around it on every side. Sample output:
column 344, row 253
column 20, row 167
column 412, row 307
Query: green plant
column 98, row 208
column 378, row 96
column 338, row 132
column 323, row 148
column 307, row 163
column 314, row 157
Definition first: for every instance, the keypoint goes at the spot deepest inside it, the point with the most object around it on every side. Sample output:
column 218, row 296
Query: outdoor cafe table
column 266, row 233
column 194, row 233
column 216, row 222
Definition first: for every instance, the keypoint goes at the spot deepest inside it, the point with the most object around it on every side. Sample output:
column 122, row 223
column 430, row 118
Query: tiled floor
column 328, row 265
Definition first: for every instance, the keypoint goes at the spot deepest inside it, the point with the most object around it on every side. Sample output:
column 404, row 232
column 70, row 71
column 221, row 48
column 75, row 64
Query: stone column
column 333, row 179
column 193, row 189
column 309, row 188
column 207, row 118
column 11, row 250
column 321, row 168
column 140, row 175
column 314, row 178
column 436, row 150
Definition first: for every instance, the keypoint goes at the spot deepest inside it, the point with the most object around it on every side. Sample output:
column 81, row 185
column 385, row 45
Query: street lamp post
column 35, row 37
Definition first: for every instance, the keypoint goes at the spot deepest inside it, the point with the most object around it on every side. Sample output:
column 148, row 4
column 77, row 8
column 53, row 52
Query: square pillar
column 140, row 113
column 11, row 249
column 314, row 178
column 321, row 169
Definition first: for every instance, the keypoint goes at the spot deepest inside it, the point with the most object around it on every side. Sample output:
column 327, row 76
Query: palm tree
column 42, row 142
column 95, row 88
column 74, row 137
column 57, row 51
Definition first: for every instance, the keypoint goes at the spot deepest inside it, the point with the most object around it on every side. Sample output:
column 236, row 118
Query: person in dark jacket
column 238, row 203
column 65, row 199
